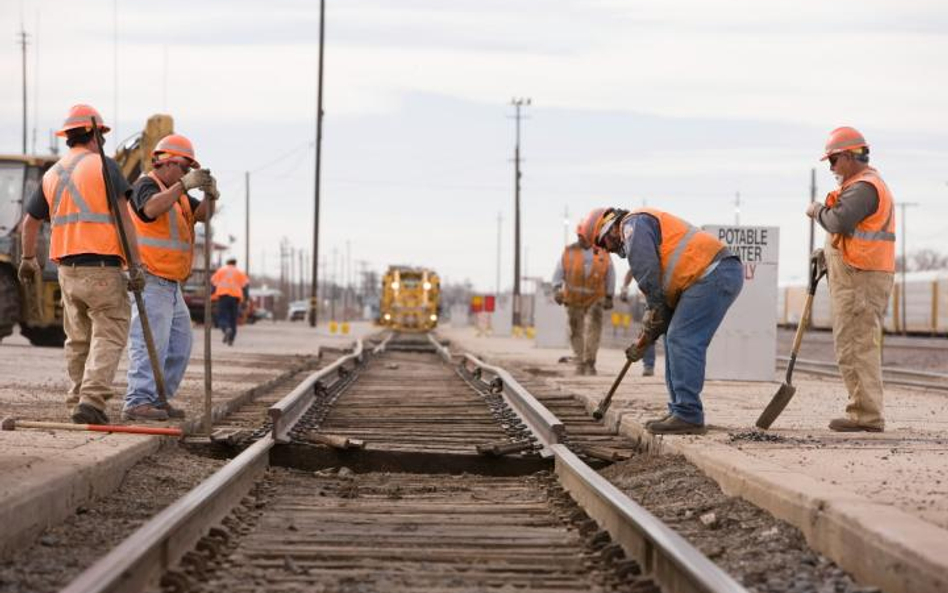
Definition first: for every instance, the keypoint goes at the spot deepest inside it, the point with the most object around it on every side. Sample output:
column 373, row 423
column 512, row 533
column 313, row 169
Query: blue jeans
column 648, row 358
column 171, row 329
column 228, row 309
column 699, row 312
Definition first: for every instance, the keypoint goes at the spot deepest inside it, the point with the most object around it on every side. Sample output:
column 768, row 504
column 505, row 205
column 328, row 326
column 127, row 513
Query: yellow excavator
column 39, row 312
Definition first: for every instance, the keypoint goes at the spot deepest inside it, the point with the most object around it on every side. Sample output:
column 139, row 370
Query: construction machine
column 38, row 309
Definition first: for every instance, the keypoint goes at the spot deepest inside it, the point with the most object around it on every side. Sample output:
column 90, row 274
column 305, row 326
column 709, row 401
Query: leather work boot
column 89, row 414
column 580, row 369
column 847, row 425
column 664, row 418
column 145, row 412
column 173, row 412
column 591, row 368
column 676, row 425
column 648, row 371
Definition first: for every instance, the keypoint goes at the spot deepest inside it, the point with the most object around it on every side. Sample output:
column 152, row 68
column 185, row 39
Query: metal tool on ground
column 786, row 391
column 10, row 423
column 503, row 448
column 604, row 404
column 334, row 441
column 126, row 249
column 208, row 320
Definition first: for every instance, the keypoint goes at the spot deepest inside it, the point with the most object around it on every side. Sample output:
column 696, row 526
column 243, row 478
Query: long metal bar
column 885, row 369
column 443, row 352
column 285, row 413
column 668, row 558
column 547, row 427
column 139, row 561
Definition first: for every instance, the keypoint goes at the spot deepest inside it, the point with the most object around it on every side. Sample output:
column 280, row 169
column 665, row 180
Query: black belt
column 84, row 260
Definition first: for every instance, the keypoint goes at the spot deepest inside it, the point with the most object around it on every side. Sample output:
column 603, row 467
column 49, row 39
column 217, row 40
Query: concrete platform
column 877, row 504
column 45, row 475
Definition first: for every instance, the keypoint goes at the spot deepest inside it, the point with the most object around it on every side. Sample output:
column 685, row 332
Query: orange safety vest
column 166, row 244
column 684, row 254
column 871, row 246
column 229, row 281
column 79, row 207
column 580, row 289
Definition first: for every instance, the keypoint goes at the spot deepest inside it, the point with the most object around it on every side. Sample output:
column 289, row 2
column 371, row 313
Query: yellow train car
column 410, row 299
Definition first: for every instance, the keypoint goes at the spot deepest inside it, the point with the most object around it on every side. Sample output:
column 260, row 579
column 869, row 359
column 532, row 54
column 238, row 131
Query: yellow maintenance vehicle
column 39, row 312
column 411, row 298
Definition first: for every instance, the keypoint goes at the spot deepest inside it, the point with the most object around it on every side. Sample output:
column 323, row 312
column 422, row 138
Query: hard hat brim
column 62, row 132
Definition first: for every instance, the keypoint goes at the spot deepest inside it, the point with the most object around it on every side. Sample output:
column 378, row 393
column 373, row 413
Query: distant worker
column 584, row 281
column 231, row 287
column 164, row 215
column 689, row 280
column 860, row 261
column 84, row 242
column 648, row 357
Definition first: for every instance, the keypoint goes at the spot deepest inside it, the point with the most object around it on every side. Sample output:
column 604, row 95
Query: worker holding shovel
column 689, row 279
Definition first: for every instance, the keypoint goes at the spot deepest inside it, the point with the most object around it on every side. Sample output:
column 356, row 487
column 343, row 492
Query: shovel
column 786, row 391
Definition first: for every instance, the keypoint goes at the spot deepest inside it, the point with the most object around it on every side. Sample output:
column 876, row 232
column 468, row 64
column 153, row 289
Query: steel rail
column 286, row 413
column 548, row 429
column 138, row 562
column 442, row 351
column 823, row 369
column 664, row 555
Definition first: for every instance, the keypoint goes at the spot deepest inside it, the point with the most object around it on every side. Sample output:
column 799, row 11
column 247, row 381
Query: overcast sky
column 677, row 104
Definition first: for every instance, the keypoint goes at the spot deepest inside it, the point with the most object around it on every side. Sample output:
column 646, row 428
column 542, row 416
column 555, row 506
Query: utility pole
column 247, row 223
column 518, row 103
column 313, row 302
column 332, row 302
column 500, row 219
column 812, row 220
column 115, row 86
column 902, row 307
column 23, row 41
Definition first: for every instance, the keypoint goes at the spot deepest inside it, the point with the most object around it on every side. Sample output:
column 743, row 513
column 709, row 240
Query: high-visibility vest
column 229, row 281
column 871, row 246
column 685, row 253
column 579, row 288
column 79, row 207
column 166, row 244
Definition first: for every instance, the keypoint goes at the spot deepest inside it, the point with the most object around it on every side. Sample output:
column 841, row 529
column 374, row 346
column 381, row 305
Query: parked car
column 297, row 310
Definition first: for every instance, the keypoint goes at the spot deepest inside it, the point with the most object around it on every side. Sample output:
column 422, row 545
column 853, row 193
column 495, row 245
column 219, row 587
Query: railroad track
column 890, row 375
column 402, row 467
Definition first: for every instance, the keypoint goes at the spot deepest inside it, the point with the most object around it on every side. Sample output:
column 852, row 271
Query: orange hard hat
column 596, row 224
column 80, row 116
column 175, row 145
column 843, row 139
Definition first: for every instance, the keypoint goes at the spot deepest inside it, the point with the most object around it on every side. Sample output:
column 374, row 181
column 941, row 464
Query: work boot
column 580, row 369
column 591, row 368
column 676, row 425
column 648, row 371
column 664, row 418
column 173, row 412
column 145, row 412
column 847, row 425
column 89, row 414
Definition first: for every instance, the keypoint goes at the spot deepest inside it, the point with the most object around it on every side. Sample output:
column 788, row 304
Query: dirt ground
column 62, row 552
column 764, row 554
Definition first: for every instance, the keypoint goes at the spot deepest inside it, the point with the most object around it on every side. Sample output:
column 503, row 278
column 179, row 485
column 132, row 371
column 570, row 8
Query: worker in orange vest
column 584, row 281
column 690, row 280
column 231, row 287
column 164, row 215
column 860, row 261
column 84, row 243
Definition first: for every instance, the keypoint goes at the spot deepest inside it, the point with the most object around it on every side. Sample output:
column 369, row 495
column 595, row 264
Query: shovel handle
column 175, row 432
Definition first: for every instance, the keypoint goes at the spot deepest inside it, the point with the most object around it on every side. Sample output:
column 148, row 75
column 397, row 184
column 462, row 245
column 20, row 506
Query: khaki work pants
column 96, row 313
column 585, row 329
column 859, row 299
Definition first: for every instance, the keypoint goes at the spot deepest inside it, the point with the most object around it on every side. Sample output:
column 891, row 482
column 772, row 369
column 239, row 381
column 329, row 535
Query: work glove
column 558, row 297
column 607, row 303
column 136, row 278
column 813, row 209
column 30, row 270
column 636, row 351
column 195, row 178
column 655, row 322
column 210, row 188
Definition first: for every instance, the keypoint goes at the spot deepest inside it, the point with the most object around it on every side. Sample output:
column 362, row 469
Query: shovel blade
column 776, row 405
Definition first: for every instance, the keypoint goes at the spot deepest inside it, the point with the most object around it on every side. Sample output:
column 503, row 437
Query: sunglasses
column 833, row 158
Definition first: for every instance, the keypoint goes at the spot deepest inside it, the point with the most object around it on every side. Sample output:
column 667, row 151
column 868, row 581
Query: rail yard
column 443, row 461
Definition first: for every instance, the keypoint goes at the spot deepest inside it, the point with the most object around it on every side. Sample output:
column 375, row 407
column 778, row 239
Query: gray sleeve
column 611, row 279
column 558, row 274
column 856, row 203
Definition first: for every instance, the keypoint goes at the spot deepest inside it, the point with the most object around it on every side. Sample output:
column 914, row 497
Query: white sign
column 745, row 346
